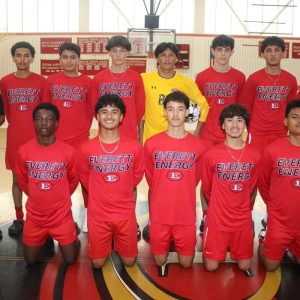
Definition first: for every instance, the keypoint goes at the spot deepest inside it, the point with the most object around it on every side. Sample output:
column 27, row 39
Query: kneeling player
column 110, row 167
column 279, row 186
column 47, row 173
column 229, row 175
column 173, row 172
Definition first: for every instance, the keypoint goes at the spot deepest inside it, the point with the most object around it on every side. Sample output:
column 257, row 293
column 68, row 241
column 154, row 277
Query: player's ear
column 223, row 127
column 285, row 122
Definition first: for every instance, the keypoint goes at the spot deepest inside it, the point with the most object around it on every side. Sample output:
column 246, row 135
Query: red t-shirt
column 20, row 96
column 110, row 172
column 173, row 172
column 72, row 96
column 228, row 185
column 48, row 175
column 220, row 89
column 266, row 97
column 129, row 86
column 279, row 184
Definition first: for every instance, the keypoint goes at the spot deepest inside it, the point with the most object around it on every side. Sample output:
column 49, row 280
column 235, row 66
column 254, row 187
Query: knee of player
column 271, row 267
column 30, row 260
column 160, row 261
column 128, row 262
column 98, row 264
column 244, row 266
column 186, row 264
column 70, row 260
column 211, row 266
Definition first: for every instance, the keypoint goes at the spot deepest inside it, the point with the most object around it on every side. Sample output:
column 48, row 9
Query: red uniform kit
column 129, row 86
column 266, row 97
column 48, row 175
column 110, row 172
column 173, row 172
column 228, row 184
column 20, row 97
column 279, row 186
column 220, row 89
column 72, row 96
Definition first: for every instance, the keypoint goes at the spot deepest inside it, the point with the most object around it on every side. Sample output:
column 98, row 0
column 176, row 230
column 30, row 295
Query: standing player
column 279, row 185
column 21, row 92
column 161, row 82
column 110, row 167
column 173, row 172
column 71, row 92
column 125, row 82
column 221, row 85
column 47, row 172
column 267, row 93
column 229, row 175
column 2, row 120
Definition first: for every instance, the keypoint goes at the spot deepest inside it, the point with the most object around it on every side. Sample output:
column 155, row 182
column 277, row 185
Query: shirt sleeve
column 21, row 173
column 207, row 171
column 47, row 97
column 140, row 99
column 248, row 95
column 83, row 168
column 139, row 166
column 1, row 107
column 73, row 173
column 148, row 164
column 264, row 176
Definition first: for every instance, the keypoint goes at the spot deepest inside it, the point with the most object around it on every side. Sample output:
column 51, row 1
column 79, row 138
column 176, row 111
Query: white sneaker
column 84, row 221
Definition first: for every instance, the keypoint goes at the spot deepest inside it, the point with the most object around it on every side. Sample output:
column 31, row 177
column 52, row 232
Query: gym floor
column 50, row 278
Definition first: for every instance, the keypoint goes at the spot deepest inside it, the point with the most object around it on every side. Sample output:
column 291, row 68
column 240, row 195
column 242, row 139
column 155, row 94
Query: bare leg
column 31, row 253
column 16, row 192
column 185, row 261
column 70, row 252
column 128, row 261
column 211, row 265
column 161, row 259
column 98, row 263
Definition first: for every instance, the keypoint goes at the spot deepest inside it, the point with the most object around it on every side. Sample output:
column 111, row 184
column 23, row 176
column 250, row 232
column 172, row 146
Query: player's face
column 293, row 121
column 22, row 59
column 109, row 117
column 176, row 113
column 45, row 123
column 118, row 55
column 222, row 55
column 273, row 55
column 69, row 61
column 167, row 60
column 234, row 127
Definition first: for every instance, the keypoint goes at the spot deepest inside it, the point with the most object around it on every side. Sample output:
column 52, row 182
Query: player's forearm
column 199, row 128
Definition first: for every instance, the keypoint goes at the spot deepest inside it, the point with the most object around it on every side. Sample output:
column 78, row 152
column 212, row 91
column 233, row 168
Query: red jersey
column 220, row 89
column 110, row 172
column 129, row 86
column 173, row 172
column 228, row 185
column 266, row 97
column 279, row 184
column 72, row 96
column 20, row 96
column 48, row 175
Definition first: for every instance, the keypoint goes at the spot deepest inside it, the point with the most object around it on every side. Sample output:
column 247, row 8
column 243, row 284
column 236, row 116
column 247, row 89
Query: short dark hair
column 25, row 45
column 272, row 41
column 112, row 100
column 47, row 106
column 177, row 97
column 291, row 105
column 69, row 46
column 222, row 41
column 164, row 46
column 118, row 41
column 234, row 110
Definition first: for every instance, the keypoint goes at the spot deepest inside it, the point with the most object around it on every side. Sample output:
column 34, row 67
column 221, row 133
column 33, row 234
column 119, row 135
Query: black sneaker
column 1, row 235
column 77, row 228
column 201, row 226
column 263, row 223
column 261, row 235
column 16, row 227
column 139, row 233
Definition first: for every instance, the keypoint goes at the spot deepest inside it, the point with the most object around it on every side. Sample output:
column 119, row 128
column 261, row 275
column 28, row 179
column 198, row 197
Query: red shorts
column 277, row 242
column 261, row 141
column 101, row 233
column 216, row 244
column 184, row 237
column 36, row 235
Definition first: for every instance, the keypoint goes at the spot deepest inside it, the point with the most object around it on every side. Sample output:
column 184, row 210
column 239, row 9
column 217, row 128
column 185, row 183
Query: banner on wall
column 87, row 66
column 92, row 45
column 51, row 45
column 184, row 56
column 138, row 47
column 136, row 64
column 296, row 50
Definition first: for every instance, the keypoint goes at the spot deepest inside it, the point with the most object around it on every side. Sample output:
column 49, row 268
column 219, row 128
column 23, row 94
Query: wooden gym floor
column 52, row 279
